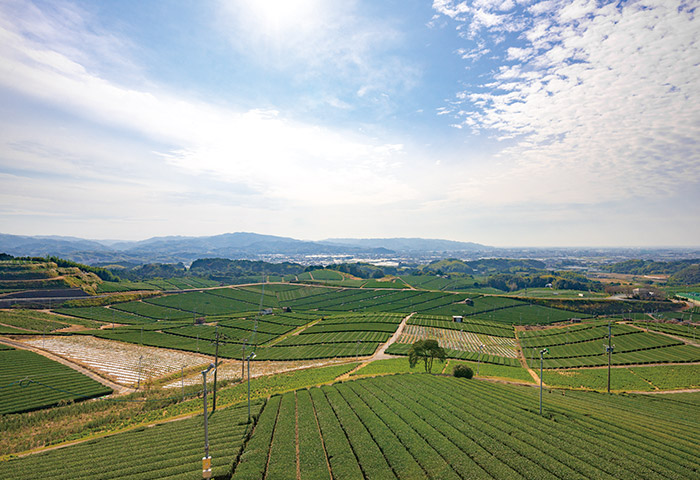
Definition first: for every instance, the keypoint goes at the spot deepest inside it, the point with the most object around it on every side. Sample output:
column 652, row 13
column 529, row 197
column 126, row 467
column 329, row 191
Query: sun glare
column 281, row 15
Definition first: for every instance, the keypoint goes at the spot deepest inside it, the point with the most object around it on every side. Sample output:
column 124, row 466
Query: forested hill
column 681, row 272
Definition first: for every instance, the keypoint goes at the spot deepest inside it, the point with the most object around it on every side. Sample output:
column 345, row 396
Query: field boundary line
column 344, row 430
column 323, row 442
column 296, row 433
column 643, row 379
column 272, row 438
column 293, row 332
column 118, row 389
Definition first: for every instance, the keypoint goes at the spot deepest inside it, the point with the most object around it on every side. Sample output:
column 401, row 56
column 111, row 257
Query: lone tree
column 426, row 350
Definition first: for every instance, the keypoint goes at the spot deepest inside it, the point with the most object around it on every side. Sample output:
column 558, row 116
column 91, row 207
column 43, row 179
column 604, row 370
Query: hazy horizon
column 498, row 246
column 510, row 122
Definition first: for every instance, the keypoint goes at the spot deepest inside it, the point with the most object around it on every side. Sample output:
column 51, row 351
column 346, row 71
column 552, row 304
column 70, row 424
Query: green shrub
column 463, row 371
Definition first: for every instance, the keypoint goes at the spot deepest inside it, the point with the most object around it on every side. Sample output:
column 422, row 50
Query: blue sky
column 508, row 123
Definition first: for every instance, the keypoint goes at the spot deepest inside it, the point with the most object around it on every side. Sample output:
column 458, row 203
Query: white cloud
column 263, row 149
column 598, row 106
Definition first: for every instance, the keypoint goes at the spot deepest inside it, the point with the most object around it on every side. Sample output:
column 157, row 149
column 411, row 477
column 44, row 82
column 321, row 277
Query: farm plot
column 408, row 301
column 267, row 323
column 167, row 452
column 687, row 331
column 468, row 324
column 150, row 311
column 335, row 337
column 168, row 340
column 326, row 275
column 531, row 314
column 281, row 321
column 569, row 335
column 464, row 341
column 417, row 301
column 530, row 331
column 364, row 317
column 626, row 342
column 670, row 377
column 421, row 426
column 287, row 293
column 31, row 320
column 315, row 351
column 473, row 306
column 121, row 362
column 249, row 297
column 631, row 349
column 322, row 327
column 103, row 314
column 337, row 300
column 226, row 334
column 29, row 381
column 201, row 303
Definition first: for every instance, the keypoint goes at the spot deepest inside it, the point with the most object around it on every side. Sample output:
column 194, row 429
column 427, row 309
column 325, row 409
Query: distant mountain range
column 240, row 245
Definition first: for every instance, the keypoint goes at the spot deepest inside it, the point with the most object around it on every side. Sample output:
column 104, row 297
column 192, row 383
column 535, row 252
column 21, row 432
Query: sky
column 502, row 122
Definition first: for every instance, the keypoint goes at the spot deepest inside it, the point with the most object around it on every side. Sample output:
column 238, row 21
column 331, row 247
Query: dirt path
column 118, row 389
column 523, row 360
column 379, row 354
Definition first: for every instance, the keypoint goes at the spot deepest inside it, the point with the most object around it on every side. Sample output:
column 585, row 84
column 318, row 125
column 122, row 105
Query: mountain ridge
column 237, row 245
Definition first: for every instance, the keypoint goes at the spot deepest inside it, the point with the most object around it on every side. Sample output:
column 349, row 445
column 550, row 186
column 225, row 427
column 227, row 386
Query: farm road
column 118, row 389
column 379, row 354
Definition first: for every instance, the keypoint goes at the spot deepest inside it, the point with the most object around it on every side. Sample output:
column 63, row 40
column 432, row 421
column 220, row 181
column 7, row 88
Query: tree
column 426, row 350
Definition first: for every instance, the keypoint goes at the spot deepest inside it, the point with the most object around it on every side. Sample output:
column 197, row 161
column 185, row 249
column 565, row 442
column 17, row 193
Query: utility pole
column 216, row 362
column 251, row 356
column 609, row 349
column 542, row 352
column 243, row 360
column 206, row 461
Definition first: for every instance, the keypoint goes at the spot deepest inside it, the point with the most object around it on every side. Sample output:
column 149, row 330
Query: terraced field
column 106, row 315
column 420, row 426
column 585, row 346
column 29, row 381
column 688, row 331
column 31, row 320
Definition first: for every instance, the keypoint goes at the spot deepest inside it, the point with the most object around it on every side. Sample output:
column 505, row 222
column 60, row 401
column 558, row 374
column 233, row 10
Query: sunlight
column 277, row 16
